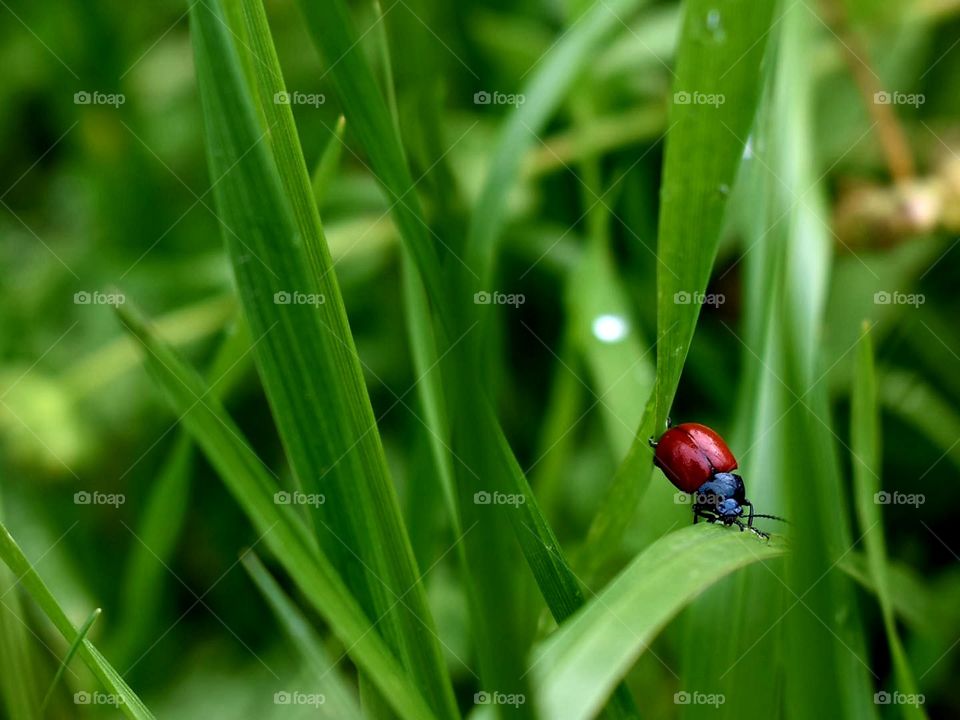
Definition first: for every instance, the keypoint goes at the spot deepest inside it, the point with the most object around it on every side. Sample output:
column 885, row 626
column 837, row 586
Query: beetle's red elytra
column 690, row 453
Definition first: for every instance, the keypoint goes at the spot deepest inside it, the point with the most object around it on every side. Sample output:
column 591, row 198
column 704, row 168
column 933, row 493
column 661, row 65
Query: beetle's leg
column 747, row 503
column 652, row 442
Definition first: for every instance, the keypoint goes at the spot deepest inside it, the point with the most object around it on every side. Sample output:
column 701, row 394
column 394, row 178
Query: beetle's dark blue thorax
column 723, row 494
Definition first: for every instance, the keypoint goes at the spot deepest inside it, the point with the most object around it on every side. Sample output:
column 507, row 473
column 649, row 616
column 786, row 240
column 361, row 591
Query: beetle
column 697, row 461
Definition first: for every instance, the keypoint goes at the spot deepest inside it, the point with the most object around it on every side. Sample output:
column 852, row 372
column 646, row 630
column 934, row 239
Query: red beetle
column 697, row 460
column 690, row 453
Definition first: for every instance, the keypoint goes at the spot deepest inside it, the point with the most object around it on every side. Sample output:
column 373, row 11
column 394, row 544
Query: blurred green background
column 103, row 198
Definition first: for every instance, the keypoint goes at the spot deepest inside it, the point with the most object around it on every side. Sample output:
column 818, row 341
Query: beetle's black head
column 729, row 510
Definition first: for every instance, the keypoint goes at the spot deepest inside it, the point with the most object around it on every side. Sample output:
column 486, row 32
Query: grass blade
column 583, row 661
column 865, row 452
column 693, row 199
column 165, row 511
column 370, row 118
column 281, row 528
column 305, row 354
column 557, row 72
column 720, row 55
column 13, row 557
column 481, row 449
column 328, row 164
column 18, row 683
column 74, row 646
column 339, row 702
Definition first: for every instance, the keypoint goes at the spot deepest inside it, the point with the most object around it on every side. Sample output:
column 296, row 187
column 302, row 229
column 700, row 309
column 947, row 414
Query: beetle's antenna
column 751, row 528
column 772, row 517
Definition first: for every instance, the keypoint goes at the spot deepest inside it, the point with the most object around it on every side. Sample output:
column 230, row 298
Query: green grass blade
column 305, row 352
column 282, row 530
column 722, row 46
column 371, row 120
column 165, row 511
column 917, row 604
column 328, row 164
column 816, row 502
column 18, row 682
column 865, row 459
column 339, row 701
column 916, row 402
column 583, row 661
column 556, row 73
column 71, row 651
column 693, row 198
column 113, row 683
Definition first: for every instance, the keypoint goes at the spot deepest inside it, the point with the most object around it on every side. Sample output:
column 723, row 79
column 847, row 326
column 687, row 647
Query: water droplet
column 715, row 26
column 723, row 189
column 748, row 148
column 610, row 328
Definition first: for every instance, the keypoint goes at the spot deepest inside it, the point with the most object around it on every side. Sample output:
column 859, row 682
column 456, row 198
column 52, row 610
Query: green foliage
column 391, row 494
